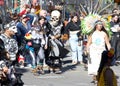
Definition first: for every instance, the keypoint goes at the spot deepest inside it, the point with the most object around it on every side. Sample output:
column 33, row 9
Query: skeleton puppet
column 56, row 25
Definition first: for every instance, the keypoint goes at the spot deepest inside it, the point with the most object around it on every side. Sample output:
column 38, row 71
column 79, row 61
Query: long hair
column 102, row 29
column 40, row 18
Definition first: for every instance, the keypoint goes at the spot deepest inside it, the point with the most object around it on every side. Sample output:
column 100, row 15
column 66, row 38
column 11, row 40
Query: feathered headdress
column 95, row 6
column 92, row 10
column 88, row 23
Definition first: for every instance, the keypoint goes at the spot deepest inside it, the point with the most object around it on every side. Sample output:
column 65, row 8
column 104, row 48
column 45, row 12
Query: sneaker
column 33, row 67
column 45, row 65
column 29, row 66
column 74, row 62
column 94, row 82
column 58, row 72
column 13, row 76
column 21, row 66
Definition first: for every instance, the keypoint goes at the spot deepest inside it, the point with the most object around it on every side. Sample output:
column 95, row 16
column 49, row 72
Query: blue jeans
column 75, row 48
column 40, row 56
column 30, row 57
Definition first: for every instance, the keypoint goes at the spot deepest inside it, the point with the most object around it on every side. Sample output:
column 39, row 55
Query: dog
column 54, row 64
column 38, row 70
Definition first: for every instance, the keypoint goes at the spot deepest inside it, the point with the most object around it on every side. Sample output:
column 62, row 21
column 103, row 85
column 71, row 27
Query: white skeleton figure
column 56, row 25
column 55, row 22
column 55, row 17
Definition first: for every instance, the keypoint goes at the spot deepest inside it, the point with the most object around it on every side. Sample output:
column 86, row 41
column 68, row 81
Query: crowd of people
column 36, row 40
column 33, row 40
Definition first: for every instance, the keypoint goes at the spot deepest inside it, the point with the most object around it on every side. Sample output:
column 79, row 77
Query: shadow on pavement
column 22, row 70
column 67, row 66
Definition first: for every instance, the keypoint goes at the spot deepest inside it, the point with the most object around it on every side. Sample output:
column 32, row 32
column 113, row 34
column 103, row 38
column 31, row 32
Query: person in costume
column 106, row 76
column 8, row 54
column 10, row 43
column 55, row 45
column 95, row 46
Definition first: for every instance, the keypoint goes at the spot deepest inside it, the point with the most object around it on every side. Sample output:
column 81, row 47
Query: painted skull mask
column 55, row 17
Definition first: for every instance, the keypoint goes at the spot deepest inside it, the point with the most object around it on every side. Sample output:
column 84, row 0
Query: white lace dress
column 96, row 49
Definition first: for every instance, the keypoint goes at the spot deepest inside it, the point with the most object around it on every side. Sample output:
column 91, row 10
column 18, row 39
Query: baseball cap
column 24, row 16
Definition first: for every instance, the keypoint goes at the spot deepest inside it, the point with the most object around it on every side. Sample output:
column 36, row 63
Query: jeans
column 40, row 56
column 30, row 58
column 76, row 50
column 32, row 54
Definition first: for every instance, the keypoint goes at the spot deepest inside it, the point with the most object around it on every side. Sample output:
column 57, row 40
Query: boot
column 40, row 68
column 35, row 70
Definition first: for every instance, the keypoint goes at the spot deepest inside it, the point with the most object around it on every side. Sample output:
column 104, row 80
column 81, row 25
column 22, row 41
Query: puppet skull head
column 55, row 17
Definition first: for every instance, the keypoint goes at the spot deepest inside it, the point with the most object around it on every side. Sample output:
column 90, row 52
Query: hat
column 24, row 16
column 98, row 22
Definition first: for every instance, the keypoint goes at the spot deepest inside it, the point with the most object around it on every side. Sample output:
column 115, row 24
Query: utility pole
column 3, row 13
column 41, row 4
column 63, row 11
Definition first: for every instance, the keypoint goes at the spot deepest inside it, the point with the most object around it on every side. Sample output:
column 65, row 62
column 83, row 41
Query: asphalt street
column 72, row 75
